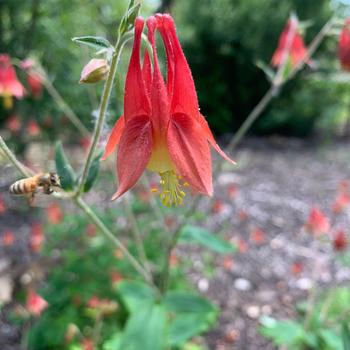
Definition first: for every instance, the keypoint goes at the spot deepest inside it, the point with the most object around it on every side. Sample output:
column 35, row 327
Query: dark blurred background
column 223, row 40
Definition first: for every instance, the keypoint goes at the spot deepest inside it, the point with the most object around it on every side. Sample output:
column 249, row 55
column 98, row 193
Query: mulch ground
column 276, row 181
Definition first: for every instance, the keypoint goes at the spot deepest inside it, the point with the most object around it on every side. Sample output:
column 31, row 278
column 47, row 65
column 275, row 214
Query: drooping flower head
column 161, row 128
column 344, row 46
column 290, row 45
column 9, row 85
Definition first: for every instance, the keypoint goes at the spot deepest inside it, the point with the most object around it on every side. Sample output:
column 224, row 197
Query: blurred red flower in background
column 257, row 235
column 9, row 85
column 317, row 222
column 2, row 205
column 340, row 241
column 35, row 304
column 290, row 45
column 33, row 128
column 341, row 202
column 8, row 238
column 162, row 128
column 35, row 84
column 344, row 46
column 13, row 123
column 36, row 237
column 54, row 213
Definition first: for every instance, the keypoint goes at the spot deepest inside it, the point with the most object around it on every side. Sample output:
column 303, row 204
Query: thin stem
column 12, row 158
column 109, row 235
column 69, row 113
column 137, row 236
column 102, row 112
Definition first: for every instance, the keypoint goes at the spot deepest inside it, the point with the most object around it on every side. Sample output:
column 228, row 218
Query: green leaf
column 128, row 20
column 186, row 326
column 193, row 315
column 64, row 169
column 96, row 42
column 113, row 343
column 183, row 302
column 345, row 334
column 93, row 172
column 195, row 234
column 269, row 72
column 287, row 333
column 331, row 339
column 145, row 329
column 135, row 294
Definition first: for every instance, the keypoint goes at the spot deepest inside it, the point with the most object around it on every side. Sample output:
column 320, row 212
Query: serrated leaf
column 135, row 294
column 145, row 329
column 93, row 172
column 95, row 42
column 195, row 234
column 64, row 169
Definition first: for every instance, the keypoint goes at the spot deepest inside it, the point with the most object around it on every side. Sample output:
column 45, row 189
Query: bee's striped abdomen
column 23, row 186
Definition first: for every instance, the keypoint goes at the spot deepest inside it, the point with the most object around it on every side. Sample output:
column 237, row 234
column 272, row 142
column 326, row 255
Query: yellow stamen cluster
column 171, row 193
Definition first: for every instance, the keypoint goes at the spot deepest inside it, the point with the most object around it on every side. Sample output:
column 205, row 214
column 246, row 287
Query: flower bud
column 95, row 71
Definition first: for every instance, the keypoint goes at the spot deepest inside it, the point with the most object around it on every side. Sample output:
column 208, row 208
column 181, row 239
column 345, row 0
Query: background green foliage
column 223, row 40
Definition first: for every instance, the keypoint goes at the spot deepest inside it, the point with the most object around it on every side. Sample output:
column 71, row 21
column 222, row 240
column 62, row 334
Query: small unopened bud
column 95, row 71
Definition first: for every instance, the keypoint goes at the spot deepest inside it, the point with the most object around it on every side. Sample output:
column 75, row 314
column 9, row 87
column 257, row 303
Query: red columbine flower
column 344, row 46
column 317, row 222
column 35, row 84
column 290, row 44
column 162, row 129
column 9, row 84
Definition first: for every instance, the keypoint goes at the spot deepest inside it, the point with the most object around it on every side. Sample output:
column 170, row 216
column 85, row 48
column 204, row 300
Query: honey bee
column 31, row 185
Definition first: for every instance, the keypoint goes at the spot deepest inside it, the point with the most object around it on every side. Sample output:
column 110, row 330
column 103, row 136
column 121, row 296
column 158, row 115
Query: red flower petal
column 169, row 54
column 134, row 152
column 184, row 99
column 208, row 134
column 189, row 151
column 114, row 137
column 136, row 102
column 159, row 97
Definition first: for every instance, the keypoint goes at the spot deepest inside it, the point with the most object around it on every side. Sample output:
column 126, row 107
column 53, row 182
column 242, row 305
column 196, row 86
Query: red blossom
column 35, row 84
column 257, row 235
column 8, row 238
column 290, row 45
column 341, row 202
column 85, row 143
column 173, row 260
column 13, row 123
column 35, row 304
column 344, row 46
column 87, row 344
column 2, row 205
column 36, row 237
column 218, row 206
column 116, row 277
column 242, row 245
column 228, row 263
column 118, row 253
column 161, row 128
column 232, row 191
column 33, row 128
column 317, row 222
column 296, row 268
column 9, row 84
column 54, row 214
column 340, row 241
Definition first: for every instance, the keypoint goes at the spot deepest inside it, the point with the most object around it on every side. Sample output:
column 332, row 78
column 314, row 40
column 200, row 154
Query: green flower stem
column 87, row 210
column 114, row 240
column 15, row 162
